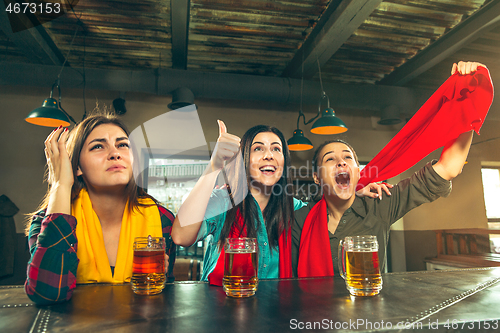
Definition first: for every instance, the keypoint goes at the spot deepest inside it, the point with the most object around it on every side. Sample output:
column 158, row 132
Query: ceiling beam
column 464, row 33
column 223, row 86
column 179, row 10
column 33, row 41
column 336, row 25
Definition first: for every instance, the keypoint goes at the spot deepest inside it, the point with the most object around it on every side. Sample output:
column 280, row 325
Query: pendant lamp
column 328, row 123
column 181, row 97
column 390, row 116
column 298, row 142
column 51, row 113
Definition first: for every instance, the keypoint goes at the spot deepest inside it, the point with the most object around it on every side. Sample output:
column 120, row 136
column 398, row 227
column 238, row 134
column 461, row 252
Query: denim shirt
column 211, row 227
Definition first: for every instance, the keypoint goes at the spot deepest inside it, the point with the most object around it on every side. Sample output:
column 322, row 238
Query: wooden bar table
column 460, row 300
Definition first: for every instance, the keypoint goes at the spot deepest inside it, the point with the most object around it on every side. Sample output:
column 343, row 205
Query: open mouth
column 343, row 179
column 268, row 169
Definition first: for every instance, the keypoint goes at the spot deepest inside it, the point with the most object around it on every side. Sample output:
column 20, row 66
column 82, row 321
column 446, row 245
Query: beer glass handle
column 341, row 260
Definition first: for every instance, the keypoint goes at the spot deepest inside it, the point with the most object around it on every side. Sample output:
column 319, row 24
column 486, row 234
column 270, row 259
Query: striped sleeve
column 167, row 220
column 51, row 273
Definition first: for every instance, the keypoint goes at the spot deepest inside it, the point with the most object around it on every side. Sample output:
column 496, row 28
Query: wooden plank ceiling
column 117, row 34
column 250, row 37
column 395, row 32
column 259, row 37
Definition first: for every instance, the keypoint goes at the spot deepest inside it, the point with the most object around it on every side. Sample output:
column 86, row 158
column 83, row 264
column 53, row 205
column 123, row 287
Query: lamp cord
column 58, row 80
column 323, row 93
column 320, row 80
column 58, row 86
column 67, row 54
column 323, row 96
column 79, row 25
column 301, row 114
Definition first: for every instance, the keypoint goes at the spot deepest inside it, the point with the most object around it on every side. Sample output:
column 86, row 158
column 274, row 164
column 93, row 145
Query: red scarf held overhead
column 458, row 106
column 239, row 230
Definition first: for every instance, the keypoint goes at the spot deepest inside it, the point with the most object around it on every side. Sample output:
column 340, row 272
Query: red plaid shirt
column 51, row 275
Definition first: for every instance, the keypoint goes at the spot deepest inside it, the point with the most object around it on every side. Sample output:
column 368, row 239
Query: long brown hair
column 278, row 213
column 74, row 145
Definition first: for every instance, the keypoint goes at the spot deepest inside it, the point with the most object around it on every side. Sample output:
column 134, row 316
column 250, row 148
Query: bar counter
column 448, row 300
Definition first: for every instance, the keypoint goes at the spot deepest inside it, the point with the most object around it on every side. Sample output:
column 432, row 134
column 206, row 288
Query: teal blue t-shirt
column 211, row 227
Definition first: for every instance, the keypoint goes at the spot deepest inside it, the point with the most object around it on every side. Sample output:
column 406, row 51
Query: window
column 491, row 190
column 491, row 186
column 169, row 179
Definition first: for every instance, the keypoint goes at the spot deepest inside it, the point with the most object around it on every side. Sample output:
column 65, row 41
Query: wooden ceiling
column 374, row 42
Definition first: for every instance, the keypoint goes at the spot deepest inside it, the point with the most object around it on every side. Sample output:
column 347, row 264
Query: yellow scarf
column 94, row 264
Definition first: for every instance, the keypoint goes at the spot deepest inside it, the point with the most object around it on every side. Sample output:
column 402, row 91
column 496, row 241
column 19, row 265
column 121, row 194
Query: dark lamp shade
column 390, row 116
column 298, row 142
column 181, row 97
column 389, row 121
column 48, row 115
column 328, row 123
column 119, row 106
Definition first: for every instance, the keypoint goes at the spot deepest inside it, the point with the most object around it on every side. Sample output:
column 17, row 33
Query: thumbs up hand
column 226, row 148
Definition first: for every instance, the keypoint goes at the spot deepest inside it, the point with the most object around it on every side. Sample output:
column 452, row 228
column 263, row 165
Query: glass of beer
column 359, row 265
column 148, row 269
column 240, row 267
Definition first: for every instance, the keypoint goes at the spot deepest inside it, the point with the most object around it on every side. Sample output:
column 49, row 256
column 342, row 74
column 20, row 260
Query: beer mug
column 359, row 265
column 148, row 269
column 240, row 267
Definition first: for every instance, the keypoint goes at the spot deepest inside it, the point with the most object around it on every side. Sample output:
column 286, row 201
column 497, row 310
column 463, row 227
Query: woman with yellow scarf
column 84, row 229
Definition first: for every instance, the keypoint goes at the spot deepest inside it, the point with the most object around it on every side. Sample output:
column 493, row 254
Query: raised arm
column 190, row 216
column 51, row 274
column 455, row 153
column 453, row 157
column 60, row 172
